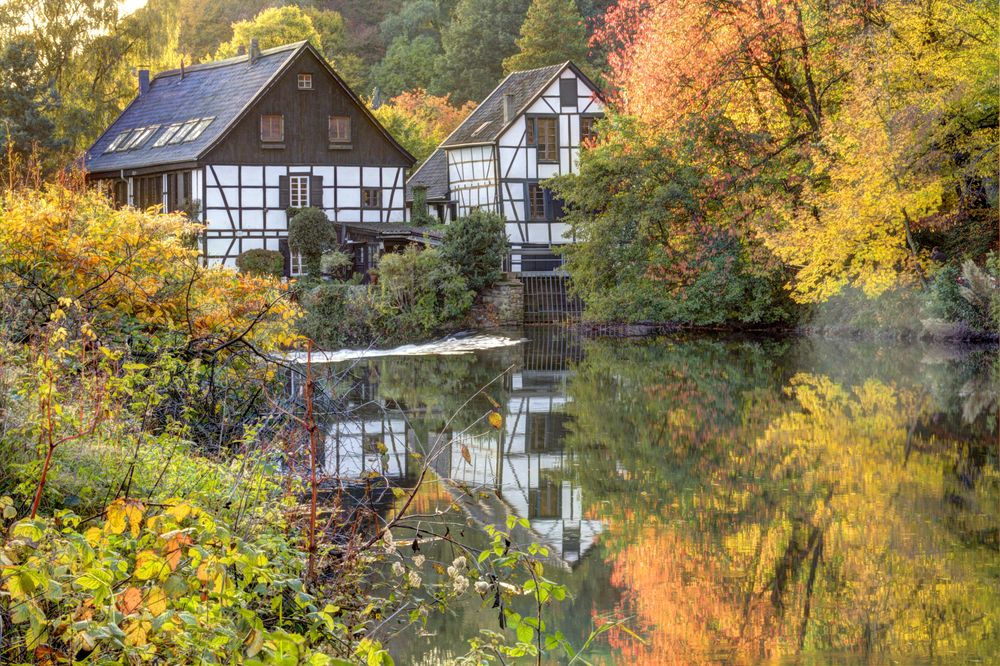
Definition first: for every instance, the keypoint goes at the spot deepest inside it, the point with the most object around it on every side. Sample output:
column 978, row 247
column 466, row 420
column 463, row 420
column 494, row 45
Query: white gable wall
column 519, row 163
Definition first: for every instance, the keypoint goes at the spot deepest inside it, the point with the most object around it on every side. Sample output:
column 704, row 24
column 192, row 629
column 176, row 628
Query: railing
column 546, row 294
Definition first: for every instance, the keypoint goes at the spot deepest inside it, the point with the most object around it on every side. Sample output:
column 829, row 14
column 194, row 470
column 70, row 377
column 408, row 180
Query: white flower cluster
column 457, row 569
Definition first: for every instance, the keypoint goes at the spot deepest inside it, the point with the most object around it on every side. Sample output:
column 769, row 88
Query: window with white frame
column 298, row 191
column 295, row 263
column 305, row 81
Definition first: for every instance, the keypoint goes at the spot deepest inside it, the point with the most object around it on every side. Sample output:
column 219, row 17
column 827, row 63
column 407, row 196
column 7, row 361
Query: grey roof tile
column 221, row 89
column 486, row 123
column 432, row 174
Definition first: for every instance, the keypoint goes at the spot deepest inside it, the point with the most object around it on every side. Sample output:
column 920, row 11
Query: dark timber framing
column 237, row 181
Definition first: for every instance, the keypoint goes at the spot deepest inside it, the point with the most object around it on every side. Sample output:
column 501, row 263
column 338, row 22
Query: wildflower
column 510, row 589
column 459, row 562
column 418, row 561
column 398, row 569
column 414, row 579
column 482, row 587
column 390, row 545
column 461, row 584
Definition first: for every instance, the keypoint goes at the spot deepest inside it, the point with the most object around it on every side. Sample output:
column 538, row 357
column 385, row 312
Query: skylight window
column 184, row 130
column 117, row 141
column 139, row 137
column 482, row 127
column 167, row 135
column 198, row 129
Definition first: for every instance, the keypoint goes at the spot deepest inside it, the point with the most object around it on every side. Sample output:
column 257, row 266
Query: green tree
column 481, row 34
column 407, row 65
column 87, row 51
column 655, row 241
column 24, row 123
column 553, row 32
column 275, row 26
column 476, row 245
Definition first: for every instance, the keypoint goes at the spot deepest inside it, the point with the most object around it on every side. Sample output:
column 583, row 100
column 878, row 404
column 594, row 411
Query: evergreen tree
column 553, row 32
column 481, row 34
column 23, row 102
column 407, row 65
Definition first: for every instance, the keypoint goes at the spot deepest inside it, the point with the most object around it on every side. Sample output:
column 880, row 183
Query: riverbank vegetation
column 798, row 156
column 162, row 468
column 414, row 294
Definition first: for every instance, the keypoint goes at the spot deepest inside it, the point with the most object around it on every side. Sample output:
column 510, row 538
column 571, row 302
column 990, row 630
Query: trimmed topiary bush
column 261, row 262
column 310, row 234
column 476, row 245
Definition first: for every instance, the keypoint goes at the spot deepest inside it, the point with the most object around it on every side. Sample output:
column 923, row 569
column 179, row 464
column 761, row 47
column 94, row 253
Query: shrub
column 261, row 262
column 966, row 295
column 337, row 315
column 310, row 233
column 419, row 293
column 477, row 245
column 335, row 263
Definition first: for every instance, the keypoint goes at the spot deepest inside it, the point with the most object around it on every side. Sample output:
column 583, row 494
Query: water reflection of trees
column 754, row 513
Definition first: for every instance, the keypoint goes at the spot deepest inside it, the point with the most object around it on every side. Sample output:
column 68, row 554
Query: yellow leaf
column 137, row 633
column 156, row 601
column 148, row 566
column 179, row 511
column 115, row 517
column 93, row 536
column 466, row 454
column 495, row 419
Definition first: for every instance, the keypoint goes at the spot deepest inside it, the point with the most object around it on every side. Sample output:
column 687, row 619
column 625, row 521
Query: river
column 735, row 499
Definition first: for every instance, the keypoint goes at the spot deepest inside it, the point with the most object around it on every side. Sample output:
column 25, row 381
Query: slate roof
column 222, row 89
column 432, row 174
column 486, row 123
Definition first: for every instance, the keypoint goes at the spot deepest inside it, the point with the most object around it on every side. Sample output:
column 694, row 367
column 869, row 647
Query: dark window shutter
column 547, row 196
column 316, row 191
column 287, row 254
column 557, row 208
column 283, row 201
column 567, row 92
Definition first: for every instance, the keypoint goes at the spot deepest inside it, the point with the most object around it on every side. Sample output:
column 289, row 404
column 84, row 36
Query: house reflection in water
column 522, row 467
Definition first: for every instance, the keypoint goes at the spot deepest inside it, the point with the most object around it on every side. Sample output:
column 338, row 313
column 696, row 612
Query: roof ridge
column 227, row 62
column 538, row 69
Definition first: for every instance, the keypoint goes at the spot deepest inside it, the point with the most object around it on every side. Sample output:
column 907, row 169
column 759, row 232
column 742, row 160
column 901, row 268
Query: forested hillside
column 68, row 68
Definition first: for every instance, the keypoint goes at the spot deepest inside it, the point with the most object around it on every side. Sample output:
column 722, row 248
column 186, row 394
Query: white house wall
column 519, row 162
column 240, row 203
column 472, row 177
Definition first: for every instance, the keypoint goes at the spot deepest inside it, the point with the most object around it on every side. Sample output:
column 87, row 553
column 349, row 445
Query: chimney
column 242, row 50
column 182, row 68
column 143, row 81
column 254, row 50
column 508, row 108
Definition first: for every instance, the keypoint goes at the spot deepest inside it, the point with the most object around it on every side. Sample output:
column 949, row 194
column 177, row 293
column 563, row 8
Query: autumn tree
column 420, row 121
column 908, row 155
column 553, row 32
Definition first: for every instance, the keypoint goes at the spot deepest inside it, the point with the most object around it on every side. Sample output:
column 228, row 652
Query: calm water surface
column 739, row 500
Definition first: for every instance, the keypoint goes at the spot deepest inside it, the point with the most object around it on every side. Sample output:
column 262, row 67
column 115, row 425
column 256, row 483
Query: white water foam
column 444, row 347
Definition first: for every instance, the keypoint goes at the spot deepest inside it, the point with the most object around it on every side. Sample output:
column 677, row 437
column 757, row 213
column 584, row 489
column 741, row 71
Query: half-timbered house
column 239, row 142
column 529, row 129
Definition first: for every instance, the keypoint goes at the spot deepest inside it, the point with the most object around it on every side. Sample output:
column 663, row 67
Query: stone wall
column 501, row 305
